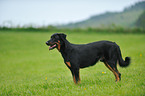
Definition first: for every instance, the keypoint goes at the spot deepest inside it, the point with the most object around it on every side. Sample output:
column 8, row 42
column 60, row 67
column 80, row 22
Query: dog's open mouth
column 52, row 47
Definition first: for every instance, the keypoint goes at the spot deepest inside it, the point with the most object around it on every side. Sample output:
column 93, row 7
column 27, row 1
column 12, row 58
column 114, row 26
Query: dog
column 78, row 56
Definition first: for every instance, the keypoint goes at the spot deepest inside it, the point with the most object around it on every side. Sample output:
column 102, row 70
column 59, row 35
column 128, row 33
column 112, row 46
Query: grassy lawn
column 27, row 67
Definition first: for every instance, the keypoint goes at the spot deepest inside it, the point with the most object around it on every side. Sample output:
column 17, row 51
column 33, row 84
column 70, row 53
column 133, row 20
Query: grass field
column 27, row 67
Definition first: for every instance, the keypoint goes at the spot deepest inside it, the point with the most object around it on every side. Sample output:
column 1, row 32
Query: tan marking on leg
column 115, row 73
column 118, row 73
column 76, row 82
column 74, row 79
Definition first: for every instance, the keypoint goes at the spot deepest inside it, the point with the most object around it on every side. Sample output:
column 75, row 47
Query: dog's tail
column 123, row 63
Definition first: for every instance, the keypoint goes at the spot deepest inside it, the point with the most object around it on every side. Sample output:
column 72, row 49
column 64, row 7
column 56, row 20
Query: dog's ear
column 62, row 36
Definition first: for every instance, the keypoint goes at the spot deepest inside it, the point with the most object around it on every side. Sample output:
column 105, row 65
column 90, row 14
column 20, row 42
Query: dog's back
column 89, row 54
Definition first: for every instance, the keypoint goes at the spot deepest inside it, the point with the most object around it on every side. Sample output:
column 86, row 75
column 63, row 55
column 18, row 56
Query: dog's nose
column 46, row 43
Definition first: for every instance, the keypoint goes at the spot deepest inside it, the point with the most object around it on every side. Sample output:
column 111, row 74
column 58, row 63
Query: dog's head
column 56, row 41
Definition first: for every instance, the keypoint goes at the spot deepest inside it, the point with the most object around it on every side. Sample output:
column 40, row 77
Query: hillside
column 141, row 21
column 126, row 18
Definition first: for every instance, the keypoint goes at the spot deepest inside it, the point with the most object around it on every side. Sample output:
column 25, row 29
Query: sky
column 46, row 12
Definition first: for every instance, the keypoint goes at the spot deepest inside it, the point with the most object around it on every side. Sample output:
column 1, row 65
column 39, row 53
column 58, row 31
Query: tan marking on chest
column 68, row 63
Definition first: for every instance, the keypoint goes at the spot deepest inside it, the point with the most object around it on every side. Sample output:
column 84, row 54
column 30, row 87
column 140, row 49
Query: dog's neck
column 64, row 49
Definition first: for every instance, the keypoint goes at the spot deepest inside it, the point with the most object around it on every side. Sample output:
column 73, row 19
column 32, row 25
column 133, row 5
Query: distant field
column 27, row 67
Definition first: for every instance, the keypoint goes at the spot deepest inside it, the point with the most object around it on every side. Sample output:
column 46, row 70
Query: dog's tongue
column 51, row 47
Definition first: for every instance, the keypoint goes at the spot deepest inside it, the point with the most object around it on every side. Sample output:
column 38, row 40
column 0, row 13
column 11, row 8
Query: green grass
column 27, row 67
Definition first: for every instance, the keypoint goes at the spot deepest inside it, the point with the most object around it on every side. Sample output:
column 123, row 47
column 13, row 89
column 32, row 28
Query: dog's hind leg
column 111, row 63
column 113, row 68
column 118, row 72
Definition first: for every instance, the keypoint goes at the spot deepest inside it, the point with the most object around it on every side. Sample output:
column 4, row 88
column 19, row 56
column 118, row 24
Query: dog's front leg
column 76, row 75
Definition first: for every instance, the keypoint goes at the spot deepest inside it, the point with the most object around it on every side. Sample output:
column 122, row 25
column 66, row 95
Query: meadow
column 27, row 67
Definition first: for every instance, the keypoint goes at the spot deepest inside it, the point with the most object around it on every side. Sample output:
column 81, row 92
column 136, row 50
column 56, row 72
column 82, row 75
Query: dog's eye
column 53, row 37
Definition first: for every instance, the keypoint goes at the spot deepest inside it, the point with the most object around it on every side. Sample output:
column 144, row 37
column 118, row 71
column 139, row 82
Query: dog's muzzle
column 51, row 45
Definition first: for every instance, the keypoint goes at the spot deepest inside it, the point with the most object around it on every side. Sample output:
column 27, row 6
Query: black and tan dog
column 85, row 55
